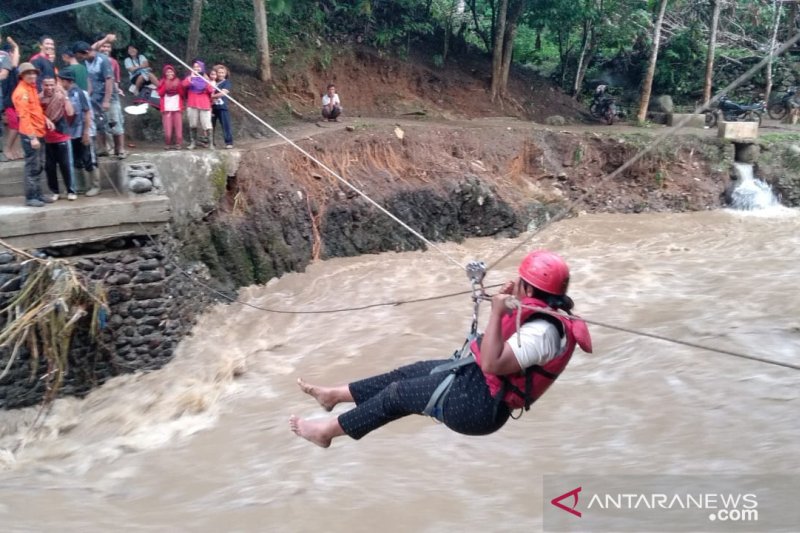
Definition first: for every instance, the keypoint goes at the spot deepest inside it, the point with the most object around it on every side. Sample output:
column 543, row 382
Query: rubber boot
column 192, row 138
column 80, row 181
column 94, row 177
column 210, row 135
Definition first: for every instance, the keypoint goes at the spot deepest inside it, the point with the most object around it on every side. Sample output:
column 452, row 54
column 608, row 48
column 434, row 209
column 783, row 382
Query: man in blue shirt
column 83, row 133
column 101, row 77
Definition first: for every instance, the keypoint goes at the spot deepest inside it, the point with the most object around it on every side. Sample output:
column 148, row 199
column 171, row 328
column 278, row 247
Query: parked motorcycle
column 780, row 108
column 733, row 112
column 606, row 109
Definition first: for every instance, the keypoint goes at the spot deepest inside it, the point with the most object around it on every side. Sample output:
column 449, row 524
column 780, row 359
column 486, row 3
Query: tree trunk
column 647, row 87
column 515, row 12
column 508, row 52
column 582, row 60
column 773, row 39
column 712, row 47
column 497, row 50
column 194, row 31
column 137, row 12
column 262, row 40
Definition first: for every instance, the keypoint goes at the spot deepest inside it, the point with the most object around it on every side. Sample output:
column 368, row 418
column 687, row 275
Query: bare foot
column 323, row 395
column 311, row 430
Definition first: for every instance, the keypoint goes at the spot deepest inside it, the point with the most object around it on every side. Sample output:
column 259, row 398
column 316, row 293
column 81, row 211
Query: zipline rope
column 53, row 11
column 557, row 217
column 518, row 305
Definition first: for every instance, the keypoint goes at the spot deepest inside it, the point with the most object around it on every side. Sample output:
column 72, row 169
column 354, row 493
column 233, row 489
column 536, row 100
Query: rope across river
column 560, row 215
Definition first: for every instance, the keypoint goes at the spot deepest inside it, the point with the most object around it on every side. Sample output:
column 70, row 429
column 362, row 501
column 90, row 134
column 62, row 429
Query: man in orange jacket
column 33, row 124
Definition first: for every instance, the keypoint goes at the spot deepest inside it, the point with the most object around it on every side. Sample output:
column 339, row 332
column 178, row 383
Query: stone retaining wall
column 153, row 305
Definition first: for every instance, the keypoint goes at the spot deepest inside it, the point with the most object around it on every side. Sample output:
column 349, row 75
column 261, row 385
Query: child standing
column 220, row 104
column 171, row 93
column 198, row 103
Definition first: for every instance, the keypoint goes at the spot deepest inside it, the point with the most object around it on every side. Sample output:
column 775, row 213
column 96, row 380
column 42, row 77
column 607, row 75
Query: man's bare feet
column 315, row 431
column 324, row 395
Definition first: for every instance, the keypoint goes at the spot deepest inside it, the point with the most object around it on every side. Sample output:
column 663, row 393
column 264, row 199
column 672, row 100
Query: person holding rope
column 524, row 349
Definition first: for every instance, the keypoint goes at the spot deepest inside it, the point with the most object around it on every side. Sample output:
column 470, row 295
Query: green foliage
column 681, row 64
column 96, row 19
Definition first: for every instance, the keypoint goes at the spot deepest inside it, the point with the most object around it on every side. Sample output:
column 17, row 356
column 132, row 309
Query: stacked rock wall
column 152, row 302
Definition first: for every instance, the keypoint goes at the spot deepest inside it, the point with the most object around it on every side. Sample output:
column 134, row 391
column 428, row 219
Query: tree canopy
column 576, row 43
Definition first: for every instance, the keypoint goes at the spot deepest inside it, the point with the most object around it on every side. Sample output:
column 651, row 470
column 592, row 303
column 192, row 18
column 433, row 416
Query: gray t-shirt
column 80, row 101
column 5, row 64
column 99, row 71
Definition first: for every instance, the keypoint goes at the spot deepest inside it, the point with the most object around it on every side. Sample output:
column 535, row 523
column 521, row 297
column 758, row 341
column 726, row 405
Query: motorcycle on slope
column 604, row 106
column 778, row 109
column 733, row 112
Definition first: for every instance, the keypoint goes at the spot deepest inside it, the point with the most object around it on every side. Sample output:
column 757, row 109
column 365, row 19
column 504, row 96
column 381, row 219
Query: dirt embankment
column 450, row 183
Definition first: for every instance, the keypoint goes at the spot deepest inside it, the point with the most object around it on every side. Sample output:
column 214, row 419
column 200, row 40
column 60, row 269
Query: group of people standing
column 205, row 93
column 64, row 118
column 60, row 116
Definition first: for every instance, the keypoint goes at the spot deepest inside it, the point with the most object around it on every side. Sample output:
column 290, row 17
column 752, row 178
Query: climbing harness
column 476, row 271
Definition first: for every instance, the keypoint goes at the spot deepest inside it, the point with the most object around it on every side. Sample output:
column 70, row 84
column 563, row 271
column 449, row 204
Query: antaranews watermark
column 671, row 503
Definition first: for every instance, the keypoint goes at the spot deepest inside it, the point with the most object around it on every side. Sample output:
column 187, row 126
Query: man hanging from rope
column 526, row 345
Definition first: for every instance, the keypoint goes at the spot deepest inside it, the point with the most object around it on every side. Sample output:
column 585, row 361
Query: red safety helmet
column 546, row 271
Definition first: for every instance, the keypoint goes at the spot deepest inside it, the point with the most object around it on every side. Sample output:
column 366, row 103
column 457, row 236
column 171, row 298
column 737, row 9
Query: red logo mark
column 574, row 493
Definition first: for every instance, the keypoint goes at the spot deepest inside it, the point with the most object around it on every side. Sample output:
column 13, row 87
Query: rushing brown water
column 204, row 445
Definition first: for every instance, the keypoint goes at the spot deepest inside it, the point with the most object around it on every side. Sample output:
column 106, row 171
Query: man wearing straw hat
column 33, row 124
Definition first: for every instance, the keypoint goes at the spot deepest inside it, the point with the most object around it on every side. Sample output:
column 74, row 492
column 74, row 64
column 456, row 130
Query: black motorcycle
column 605, row 108
column 733, row 112
column 780, row 108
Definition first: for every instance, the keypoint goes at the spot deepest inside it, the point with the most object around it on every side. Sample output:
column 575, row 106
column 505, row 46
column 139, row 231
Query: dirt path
column 300, row 131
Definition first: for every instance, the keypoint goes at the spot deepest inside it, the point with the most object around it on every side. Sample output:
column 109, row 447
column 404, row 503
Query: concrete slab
column 692, row 120
column 12, row 172
column 738, row 131
column 83, row 220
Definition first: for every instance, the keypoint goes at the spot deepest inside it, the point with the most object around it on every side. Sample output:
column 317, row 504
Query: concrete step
column 12, row 173
column 64, row 223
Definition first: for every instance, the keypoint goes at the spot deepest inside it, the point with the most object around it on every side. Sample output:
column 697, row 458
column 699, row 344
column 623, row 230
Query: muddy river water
column 204, row 445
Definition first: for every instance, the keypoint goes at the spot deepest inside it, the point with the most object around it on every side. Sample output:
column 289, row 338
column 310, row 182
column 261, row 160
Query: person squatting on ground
column 115, row 120
column 171, row 93
column 33, row 125
column 219, row 103
column 82, row 133
column 331, row 106
column 139, row 70
column 198, row 103
column 9, row 60
column 506, row 369
column 58, row 147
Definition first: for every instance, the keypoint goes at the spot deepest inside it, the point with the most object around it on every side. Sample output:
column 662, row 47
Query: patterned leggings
column 468, row 408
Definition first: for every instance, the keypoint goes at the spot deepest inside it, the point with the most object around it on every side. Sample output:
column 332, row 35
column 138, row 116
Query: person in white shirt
column 527, row 344
column 331, row 105
column 139, row 70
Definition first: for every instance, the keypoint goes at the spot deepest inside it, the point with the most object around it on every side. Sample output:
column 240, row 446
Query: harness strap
column 434, row 407
column 436, row 402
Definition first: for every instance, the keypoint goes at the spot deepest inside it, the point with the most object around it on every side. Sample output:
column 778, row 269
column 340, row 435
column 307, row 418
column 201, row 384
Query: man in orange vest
column 33, row 124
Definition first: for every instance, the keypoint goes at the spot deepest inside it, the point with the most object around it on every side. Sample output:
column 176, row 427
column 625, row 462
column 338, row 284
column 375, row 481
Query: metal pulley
column 476, row 271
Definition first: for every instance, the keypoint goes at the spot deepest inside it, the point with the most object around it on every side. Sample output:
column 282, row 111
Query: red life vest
column 521, row 390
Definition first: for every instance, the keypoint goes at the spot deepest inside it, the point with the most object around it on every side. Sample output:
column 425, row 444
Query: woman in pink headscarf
column 198, row 103
column 171, row 93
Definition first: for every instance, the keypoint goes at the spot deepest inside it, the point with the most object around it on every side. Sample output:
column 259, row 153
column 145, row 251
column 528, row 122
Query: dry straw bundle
column 43, row 316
